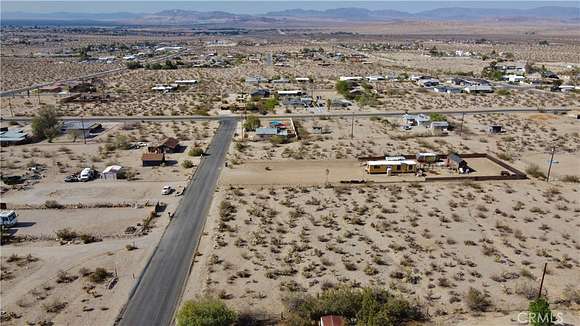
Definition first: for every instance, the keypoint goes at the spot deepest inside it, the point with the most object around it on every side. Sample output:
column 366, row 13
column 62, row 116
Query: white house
column 375, row 78
column 478, row 89
column 186, row 82
column 111, row 172
column 350, row 78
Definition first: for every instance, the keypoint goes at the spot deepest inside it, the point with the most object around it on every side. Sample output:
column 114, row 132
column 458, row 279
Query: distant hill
column 456, row 13
column 184, row 17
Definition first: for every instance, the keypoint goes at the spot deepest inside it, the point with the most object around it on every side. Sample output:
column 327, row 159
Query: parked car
column 8, row 218
column 71, row 178
column 87, row 174
column 166, row 190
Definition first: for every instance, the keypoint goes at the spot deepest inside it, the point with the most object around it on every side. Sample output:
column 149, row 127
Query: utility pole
column 83, row 130
column 542, row 282
column 352, row 126
column 550, row 166
column 461, row 128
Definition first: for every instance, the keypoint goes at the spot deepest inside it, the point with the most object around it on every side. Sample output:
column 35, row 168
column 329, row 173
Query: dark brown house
column 169, row 145
column 153, row 159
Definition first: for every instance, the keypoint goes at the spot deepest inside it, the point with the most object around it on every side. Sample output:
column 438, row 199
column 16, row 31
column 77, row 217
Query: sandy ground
column 33, row 286
column 430, row 242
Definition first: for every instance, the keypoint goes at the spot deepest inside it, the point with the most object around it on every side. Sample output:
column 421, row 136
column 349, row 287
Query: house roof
column 152, row 157
column 12, row 135
column 112, row 169
column 79, row 125
column 455, row 158
column 439, row 124
column 386, row 162
column 332, row 321
column 170, row 142
column 266, row 131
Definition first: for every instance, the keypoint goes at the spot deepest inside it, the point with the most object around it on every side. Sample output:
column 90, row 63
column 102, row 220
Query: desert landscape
column 347, row 166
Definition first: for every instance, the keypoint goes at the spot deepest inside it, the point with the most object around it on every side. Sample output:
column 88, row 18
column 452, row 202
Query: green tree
column 134, row 65
column 205, row 312
column 437, row 117
column 252, row 122
column 195, row 151
column 45, row 123
column 121, row 141
column 343, row 88
column 187, row 164
column 540, row 313
column 270, row 103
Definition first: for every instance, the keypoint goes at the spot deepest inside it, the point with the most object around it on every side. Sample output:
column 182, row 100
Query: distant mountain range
column 455, row 13
column 184, row 17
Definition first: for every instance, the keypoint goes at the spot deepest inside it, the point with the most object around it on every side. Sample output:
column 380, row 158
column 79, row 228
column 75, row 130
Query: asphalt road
column 160, row 287
column 293, row 115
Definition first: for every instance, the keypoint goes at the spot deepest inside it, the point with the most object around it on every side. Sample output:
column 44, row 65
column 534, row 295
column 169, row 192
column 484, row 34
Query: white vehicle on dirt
column 166, row 190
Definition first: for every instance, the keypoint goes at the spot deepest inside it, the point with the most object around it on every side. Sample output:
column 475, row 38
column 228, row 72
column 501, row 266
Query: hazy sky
column 258, row 7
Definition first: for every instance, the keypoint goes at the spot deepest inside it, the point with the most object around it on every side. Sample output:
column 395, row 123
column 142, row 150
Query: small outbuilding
column 111, row 172
column 495, row 129
column 153, row 159
column 455, row 162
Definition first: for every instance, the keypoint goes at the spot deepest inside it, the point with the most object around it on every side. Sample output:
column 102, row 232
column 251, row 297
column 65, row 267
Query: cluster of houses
column 454, row 85
column 416, row 163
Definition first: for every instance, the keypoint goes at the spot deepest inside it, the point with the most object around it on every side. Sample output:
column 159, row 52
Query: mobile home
column 388, row 167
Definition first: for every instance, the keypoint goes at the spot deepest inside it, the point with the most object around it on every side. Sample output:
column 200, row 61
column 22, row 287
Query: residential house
column 260, row 93
column 265, row 133
column 340, row 103
column 153, row 159
column 428, row 82
column 391, row 166
column 82, row 128
column 514, row 78
column 164, row 88
column 439, row 127
column 290, row 93
column 415, row 119
column 478, row 89
column 186, row 82
column 350, row 78
column 13, row 137
column 426, row 157
column 512, row 68
column 280, row 81
column 375, row 78
column 255, row 80
column 169, row 145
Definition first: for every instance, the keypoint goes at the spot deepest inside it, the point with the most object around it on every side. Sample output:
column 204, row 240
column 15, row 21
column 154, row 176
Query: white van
column 8, row 218
column 86, row 175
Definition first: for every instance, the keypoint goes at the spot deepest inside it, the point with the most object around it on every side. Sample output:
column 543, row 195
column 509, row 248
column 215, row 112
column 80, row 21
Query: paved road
column 294, row 115
column 160, row 286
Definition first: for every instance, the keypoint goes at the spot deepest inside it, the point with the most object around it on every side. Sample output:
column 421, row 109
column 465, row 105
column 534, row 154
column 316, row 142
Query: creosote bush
column 205, row 311
column 369, row 306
